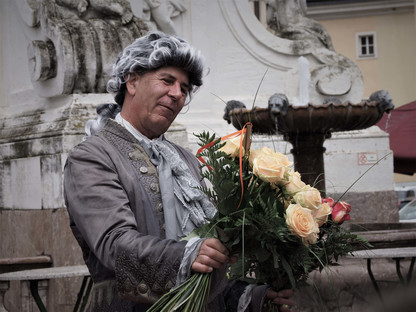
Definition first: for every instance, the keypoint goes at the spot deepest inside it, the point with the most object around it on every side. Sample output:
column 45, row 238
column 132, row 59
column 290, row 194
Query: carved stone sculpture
column 161, row 11
column 290, row 21
column 74, row 42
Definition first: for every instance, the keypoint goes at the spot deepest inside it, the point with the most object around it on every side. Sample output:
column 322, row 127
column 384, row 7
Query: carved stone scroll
column 74, row 42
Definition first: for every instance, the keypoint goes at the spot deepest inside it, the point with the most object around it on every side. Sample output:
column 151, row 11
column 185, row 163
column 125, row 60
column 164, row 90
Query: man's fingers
column 281, row 298
column 201, row 268
column 286, row 293
column 213, row 249
column 212, row 254
column 213, row 243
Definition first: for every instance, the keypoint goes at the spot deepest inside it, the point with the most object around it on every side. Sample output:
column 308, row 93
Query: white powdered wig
column 151, row 52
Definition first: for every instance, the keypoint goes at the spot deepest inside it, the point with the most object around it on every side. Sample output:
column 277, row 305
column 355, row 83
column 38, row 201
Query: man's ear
column 131, row 83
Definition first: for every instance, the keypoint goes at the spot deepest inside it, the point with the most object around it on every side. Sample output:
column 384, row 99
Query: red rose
column 340, row 211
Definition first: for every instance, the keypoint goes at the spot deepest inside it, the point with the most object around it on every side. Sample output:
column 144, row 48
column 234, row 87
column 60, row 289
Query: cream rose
column 308, row 197
column 302, row 223
column 321, row 215
column 295, row 183
column 256, row 153
column 268, row 165
column 232, row 147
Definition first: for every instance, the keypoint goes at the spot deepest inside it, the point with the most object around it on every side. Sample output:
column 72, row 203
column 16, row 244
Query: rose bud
column 329, row 201
column 341, row 212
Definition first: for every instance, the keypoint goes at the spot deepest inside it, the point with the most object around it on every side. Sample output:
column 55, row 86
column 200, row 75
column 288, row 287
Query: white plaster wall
column 14, row 73
column 238, row 52
column 233, row 72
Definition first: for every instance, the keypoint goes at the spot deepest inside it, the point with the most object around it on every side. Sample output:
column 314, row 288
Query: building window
column 366, row 45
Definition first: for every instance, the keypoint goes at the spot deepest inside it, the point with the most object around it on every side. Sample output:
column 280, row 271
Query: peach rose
column 268, row 165
column 302, row 223
column 256, row 153
column 308, row 197
column 232, row 147
column 295, row 184
column 321, row 215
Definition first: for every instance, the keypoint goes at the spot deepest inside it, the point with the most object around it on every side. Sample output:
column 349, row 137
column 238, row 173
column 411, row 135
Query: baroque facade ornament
column 159, row 13
column 74, row 42
column 292, row 35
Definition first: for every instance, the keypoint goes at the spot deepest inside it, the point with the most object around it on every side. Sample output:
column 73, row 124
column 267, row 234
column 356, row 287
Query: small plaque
column 367, row 158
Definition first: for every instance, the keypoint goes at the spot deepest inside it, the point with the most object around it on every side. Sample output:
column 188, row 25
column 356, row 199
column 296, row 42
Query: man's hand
column 281, row 298
column 212, row 254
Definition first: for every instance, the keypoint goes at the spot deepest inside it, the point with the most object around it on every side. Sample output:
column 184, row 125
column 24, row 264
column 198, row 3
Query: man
column 131, row 194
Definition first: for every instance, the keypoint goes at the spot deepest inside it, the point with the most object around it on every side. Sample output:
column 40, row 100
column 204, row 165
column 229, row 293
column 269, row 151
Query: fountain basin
column 306, row 127
column 323, row 118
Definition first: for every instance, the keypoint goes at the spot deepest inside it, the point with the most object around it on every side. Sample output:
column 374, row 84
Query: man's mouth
column 169, row 108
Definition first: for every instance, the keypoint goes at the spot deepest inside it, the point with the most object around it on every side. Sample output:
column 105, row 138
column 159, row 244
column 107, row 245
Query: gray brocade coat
column 116, row 214
column 112, row 195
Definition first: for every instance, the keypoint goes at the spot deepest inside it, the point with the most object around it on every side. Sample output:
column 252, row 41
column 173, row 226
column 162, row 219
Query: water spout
column 304, row 81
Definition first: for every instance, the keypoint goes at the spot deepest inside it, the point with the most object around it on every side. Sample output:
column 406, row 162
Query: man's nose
column 175, row 91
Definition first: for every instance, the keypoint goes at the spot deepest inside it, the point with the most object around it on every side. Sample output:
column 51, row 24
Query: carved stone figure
column 288, row 20
column 100, row 8
column 229, row 106
column 73, row 42
column 161, row 11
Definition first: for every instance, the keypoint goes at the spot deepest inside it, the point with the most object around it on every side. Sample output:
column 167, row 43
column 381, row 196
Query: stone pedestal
column 360, row 164
column 33, row 148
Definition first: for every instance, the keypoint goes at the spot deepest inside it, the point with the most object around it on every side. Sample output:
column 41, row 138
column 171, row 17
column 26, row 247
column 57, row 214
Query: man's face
column 153, row 100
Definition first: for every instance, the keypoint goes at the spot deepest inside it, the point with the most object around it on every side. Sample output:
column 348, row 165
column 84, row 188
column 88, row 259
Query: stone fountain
column 323, row 94
column 307, row 126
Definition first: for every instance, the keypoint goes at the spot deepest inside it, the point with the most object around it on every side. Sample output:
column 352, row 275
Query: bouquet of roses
column 280, row 227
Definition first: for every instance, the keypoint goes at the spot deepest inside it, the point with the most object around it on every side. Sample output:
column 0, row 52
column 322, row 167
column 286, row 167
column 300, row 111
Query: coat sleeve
column 145, row 266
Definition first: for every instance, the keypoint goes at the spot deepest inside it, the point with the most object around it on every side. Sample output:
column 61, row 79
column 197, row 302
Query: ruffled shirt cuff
column 189, row 256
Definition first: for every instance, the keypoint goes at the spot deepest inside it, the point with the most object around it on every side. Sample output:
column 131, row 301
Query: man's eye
column 167, row 81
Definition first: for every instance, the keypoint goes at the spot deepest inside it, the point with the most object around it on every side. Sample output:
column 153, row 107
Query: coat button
column 144, row 170
column 154, row 187
column 143, row 288
column 160, row 207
